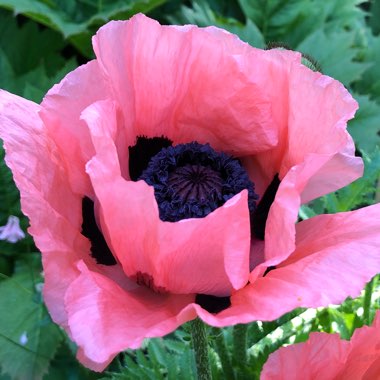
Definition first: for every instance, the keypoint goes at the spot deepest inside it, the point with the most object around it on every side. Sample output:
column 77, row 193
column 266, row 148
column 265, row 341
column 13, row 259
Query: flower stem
column 224, row 356
column 200, row 344
column 240, row 347
column 240, row 342
column 367, row 302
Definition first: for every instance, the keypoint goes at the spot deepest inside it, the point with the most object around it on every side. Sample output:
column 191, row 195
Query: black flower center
column 192, row 180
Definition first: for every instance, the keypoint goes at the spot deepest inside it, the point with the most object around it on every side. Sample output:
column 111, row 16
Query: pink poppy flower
column 163, row 179
column 326, row 356
column 12, row 231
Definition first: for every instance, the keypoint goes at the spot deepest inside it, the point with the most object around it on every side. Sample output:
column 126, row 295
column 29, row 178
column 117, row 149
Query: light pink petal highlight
column 166, row 82
column 105, row 319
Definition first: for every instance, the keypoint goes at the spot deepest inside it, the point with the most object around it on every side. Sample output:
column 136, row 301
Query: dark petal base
column 260, row 216
column 269, row 269
column 141, row 153
column 192, row 180
column 144, row 279
column 213, row 304
column 99, row 248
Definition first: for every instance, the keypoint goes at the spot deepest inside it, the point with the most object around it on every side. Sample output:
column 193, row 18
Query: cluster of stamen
column 192, row 180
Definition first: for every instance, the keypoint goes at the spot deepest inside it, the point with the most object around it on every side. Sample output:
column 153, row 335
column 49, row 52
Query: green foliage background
column 42, row 40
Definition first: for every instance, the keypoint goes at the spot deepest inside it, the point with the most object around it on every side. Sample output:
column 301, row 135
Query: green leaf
column 169, row 358
column 370, row 83
column 335, row 52
column 365, row 127
column 290, row 21
column 28, row 338
column 27, row 46
column 375, row 16
column 65, row 366
column 274, row 17
column 30, row 60
column 78, row 20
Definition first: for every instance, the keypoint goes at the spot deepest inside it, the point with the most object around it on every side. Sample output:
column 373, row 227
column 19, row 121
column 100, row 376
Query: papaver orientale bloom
column 326, row 356
column 163, row 180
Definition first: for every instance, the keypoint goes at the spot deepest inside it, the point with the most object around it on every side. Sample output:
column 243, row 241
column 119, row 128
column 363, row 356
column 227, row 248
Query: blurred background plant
column 42, row 40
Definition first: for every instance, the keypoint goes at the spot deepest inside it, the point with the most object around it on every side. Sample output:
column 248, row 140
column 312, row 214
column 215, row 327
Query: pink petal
column 276, row 71
column 372, row 371
column 45, row 194
column 176, row 65
column 105, row 319
column 315, row 120
column 283, row 213
column 314, row 146
column 364, row 355
column 325, row 356
column 61, row 109
column 212, row 263
column 329, row 177
column 321, row 357
column 313, row 131
column 106, row 118
column 334, row 257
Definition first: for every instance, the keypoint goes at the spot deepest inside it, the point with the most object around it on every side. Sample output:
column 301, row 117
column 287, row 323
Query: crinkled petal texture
column 186, row 84
column 45, row 196
column 313, row 149
column 326, row 356
column 167, row 81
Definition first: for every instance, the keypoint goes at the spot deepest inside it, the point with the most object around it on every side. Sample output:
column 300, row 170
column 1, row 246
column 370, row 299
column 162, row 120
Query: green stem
column 240, row 343
column 200, row 344
column 224, row 355
column 367, row 302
